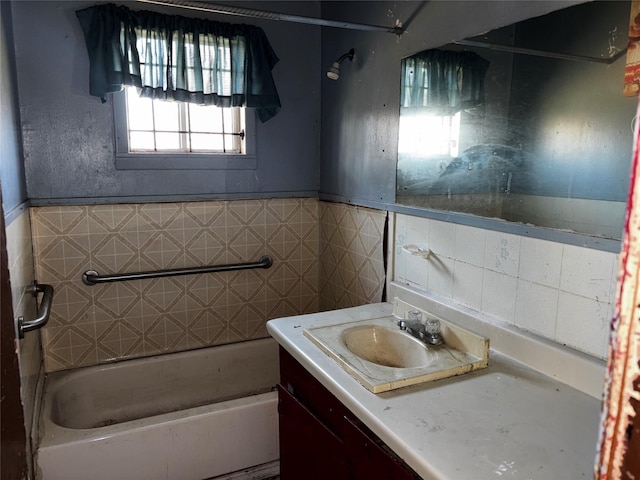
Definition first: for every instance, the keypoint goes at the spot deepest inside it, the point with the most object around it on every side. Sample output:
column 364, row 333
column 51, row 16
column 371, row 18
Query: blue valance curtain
column 444, row 82
column 170, row 57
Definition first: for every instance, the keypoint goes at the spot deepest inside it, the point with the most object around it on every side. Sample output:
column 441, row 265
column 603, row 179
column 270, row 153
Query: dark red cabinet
column 308, row 449
column 320, row 439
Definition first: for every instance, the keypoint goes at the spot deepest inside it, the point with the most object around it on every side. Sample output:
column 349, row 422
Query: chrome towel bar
column 91, row 277
column 44, row 310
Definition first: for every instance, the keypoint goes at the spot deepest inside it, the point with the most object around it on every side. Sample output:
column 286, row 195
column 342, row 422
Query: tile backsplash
column 562, row 292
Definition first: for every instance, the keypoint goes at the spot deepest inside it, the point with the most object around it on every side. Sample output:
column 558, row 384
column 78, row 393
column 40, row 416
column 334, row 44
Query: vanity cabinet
column 320, row 439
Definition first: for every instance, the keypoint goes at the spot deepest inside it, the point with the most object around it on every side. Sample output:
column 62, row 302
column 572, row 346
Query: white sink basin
column 386, row 347
column 382, row 357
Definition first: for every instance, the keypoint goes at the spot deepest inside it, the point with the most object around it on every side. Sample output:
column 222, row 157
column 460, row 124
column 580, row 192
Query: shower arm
column 344, row 56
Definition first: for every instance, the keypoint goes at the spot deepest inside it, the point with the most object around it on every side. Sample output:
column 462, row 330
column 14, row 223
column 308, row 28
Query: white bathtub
column 188, row 415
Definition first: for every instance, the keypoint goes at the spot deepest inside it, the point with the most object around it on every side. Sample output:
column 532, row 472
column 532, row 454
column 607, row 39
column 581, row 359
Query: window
column 190, row 62
column 157, row 126
column 156, row 134
column 424, row 134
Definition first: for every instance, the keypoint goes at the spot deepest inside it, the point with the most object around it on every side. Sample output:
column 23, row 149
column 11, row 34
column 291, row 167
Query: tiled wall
column 562, row 292
column 101, row 323
column 326, row 256
column 20, row 256
column 351, row 255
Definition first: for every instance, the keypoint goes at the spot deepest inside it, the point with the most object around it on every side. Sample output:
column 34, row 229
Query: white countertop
column 506, row 421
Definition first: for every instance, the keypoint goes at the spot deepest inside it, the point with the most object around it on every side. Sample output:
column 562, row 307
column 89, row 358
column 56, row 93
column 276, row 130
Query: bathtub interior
column 179, row 441
column 99, row 396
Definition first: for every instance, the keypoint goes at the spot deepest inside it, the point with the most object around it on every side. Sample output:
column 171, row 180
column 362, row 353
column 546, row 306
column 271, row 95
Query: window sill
column 190, row 161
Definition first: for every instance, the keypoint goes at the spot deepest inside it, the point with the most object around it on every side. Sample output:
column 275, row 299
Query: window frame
column 126, row 160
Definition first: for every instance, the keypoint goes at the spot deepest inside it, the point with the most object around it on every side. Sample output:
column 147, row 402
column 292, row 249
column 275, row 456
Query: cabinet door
column 308, row 449
column 311, row 393
column 370, row 458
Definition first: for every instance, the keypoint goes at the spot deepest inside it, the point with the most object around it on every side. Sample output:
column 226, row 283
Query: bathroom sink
column 389, row 348
column 382, row 357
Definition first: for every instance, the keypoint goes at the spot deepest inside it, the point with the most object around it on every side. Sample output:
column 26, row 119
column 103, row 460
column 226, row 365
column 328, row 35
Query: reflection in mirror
column 542, row 138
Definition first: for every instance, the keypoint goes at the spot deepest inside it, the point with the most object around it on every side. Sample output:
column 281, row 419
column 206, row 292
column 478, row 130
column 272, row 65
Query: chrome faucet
column 428, row 333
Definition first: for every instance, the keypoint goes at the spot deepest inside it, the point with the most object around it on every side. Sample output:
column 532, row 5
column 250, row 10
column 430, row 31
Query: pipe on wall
column 249, row 12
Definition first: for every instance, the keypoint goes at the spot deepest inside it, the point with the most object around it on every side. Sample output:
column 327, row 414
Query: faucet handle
column 432, row 326
column 433, row 331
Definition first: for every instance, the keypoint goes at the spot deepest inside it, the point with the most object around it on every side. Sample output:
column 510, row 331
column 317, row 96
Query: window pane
column 139, row 111
column 227, row 114
column 167, row 141
column 429, row 134
column 231, row 143
column 141, row 141
column 206, row 142
column 205, row 118
column 166, row 116
column 156, row 125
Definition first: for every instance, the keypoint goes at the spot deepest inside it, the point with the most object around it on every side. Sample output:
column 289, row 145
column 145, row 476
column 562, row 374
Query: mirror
column 543, row 134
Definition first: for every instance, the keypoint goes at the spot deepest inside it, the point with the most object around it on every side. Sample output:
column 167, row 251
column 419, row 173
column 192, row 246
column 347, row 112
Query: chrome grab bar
column 44, row 310
column 91, row 277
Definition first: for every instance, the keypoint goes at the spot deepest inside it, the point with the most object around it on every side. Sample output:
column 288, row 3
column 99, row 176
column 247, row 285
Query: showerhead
column 334, row 71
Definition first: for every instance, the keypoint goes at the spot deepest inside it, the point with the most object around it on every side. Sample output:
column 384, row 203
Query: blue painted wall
column 68, row 135
column 12, row 178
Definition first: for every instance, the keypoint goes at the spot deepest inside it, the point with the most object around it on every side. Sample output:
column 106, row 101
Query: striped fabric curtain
column 177, row 58
column 443, row 82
